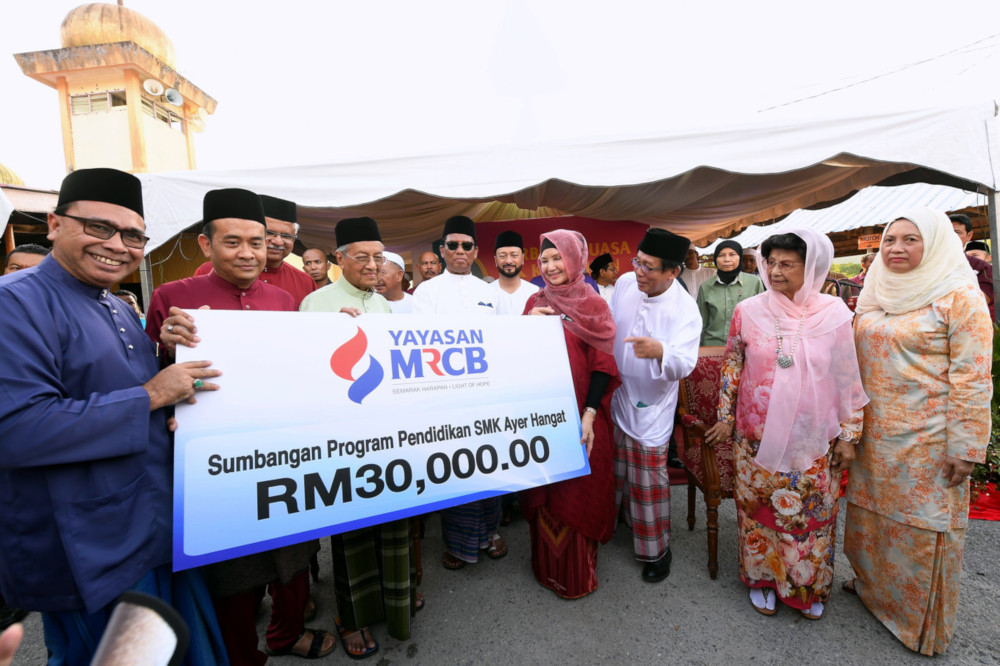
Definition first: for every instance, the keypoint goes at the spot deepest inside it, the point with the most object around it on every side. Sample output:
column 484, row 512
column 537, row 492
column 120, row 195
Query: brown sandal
column 849, row 586
column 451, row 562
column 497, row 548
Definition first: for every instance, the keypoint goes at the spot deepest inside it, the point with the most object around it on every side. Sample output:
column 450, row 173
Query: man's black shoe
column 654, row 572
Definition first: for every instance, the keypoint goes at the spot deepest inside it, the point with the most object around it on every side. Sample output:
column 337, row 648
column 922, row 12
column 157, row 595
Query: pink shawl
column 822, row 388
column 585, row 313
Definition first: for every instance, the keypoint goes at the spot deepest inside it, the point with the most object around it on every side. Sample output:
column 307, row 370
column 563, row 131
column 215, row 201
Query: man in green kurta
column 359, row 255
column 717, row 297
column 374, row 571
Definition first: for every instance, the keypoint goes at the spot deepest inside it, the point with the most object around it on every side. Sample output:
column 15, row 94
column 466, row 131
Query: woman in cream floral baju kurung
column 927, row 370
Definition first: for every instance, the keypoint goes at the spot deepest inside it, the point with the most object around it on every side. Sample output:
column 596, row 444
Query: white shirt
column 606, row 291
column 512, row 304
column 454, row 294
column 402, row 306
column 644, row 405
column 693, row 279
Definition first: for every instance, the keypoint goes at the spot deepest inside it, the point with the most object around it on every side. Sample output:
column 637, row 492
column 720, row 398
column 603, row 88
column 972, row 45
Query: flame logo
column 346, row 356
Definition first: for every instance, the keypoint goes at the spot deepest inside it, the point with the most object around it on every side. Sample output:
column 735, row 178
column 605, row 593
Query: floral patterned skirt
column 787, row 525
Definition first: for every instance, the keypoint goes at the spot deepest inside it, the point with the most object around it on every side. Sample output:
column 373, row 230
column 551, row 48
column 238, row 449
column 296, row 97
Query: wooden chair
column 707, row 467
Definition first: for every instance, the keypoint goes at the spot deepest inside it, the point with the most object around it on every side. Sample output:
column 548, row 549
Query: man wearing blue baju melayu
column 85, row 451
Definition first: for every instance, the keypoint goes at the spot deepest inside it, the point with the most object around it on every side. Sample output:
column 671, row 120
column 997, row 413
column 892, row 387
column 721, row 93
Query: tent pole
column 992, row 202
column 146, row 281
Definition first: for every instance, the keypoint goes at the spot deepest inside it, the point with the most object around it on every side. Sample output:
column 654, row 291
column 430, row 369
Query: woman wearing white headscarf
column 924, row 340
column 791, row 387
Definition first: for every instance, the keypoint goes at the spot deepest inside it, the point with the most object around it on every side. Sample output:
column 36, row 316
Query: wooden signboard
column 869, row 241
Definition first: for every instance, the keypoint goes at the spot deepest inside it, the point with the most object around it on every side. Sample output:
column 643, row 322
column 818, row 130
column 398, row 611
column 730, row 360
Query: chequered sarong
column 642, row 481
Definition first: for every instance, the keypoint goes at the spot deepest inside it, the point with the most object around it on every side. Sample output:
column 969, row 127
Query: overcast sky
column 302, row 82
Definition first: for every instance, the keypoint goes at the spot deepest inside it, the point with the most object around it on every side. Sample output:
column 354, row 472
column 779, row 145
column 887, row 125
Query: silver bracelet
column 591, row 410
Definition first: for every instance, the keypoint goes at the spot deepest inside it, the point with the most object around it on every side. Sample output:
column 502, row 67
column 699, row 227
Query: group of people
column 900, row 397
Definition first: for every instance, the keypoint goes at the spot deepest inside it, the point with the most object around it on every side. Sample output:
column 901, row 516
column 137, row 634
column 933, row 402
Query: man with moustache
column 962, row 225
column 86, row 460
column 390, row 284
column 656, row 346
column 235, row 241
column 429, row 265
column 510, row 292
column 317, row 266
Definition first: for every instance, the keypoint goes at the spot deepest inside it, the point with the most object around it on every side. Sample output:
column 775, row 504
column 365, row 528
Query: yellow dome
column 100, row 23
column 8, row 177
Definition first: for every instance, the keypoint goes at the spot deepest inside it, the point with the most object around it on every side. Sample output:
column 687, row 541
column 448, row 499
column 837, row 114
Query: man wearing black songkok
column 604, row 270
column 510, row 292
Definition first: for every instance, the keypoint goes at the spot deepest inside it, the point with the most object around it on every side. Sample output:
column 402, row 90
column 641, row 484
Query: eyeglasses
column 275, row 234
column 102, row 230
column 783, row 266
column 466, row 245
column 366, row 259
column 613, row 268
column 643, row 268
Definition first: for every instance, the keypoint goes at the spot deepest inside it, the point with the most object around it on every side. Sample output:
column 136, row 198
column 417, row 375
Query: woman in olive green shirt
column 717, row 298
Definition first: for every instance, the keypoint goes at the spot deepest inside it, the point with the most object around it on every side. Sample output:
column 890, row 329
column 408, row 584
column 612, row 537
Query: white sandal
column 815, row 611
column 764, row 600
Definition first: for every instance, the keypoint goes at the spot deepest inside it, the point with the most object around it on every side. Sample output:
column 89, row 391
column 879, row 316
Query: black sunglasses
column 466, row 245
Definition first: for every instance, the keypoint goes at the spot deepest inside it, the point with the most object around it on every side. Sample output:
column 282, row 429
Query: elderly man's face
column 91, row 260
column 280, row 240
column 429, row 265
column 361, row 264
column 749, row 263
column 18, row 261
column 460, row 252
column 979, row 254
column 390, row 279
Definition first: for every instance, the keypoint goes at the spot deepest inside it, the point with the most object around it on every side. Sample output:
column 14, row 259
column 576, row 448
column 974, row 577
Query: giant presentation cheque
column 326, row 423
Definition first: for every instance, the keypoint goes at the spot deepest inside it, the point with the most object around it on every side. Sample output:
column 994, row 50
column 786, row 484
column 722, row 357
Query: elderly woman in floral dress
column 791, row 388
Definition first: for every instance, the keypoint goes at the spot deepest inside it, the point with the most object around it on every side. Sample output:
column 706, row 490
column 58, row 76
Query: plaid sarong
column 375, row 577
column 467, row 528
column 642, row 481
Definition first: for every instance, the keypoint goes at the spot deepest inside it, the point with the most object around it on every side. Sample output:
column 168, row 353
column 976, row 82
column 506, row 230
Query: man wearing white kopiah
column 456, row 290
column 390, row 284
column 510, row 292
column 656, row 346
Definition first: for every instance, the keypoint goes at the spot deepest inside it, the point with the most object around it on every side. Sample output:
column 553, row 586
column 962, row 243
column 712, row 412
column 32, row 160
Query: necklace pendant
column 785, row 361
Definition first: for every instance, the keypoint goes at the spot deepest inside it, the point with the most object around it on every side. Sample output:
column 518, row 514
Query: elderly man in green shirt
column 717, row 298
column 359, row 255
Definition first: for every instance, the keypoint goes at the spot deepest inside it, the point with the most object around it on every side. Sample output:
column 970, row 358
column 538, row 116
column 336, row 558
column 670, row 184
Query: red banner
column 619, row 238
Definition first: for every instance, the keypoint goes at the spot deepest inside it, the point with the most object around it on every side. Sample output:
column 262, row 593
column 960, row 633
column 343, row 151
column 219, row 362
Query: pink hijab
column 822, row 388
column 585, row 313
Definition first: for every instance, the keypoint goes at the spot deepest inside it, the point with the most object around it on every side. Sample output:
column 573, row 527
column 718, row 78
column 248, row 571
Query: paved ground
column 495, row 613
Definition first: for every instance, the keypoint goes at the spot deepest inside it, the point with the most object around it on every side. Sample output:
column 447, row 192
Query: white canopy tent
column 699, row 183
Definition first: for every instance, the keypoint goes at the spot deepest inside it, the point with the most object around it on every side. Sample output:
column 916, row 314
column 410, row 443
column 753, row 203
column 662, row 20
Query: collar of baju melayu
column 273, row 271
column 53, row 269
column 219, row 282
column 361, row 295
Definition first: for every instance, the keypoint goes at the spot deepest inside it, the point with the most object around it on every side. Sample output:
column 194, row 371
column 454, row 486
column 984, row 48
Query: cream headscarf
column 943, row 269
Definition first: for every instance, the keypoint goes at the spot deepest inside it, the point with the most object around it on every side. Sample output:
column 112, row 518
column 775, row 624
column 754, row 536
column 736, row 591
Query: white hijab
column 943, row 269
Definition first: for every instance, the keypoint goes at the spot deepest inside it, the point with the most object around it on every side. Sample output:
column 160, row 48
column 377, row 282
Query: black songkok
column 357, row 230
column 279, row 209
column 106, row 185
column 459, row 224
column 664, row 245
column 976, row 245
column 601, row 262
column 508, row 239
column 232, row 203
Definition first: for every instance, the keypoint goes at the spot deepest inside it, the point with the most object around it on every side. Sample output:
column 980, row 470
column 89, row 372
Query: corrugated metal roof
column 871, row 206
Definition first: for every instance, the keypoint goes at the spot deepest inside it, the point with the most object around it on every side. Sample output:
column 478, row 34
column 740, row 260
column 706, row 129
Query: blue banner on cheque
column 326, row 423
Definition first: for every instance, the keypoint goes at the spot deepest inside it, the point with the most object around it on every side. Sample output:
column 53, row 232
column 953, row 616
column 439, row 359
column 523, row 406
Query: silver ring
column 170, row 328
column 198, row 384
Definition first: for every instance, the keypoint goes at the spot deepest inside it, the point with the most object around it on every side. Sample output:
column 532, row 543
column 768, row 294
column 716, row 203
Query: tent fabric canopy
column 699, row 183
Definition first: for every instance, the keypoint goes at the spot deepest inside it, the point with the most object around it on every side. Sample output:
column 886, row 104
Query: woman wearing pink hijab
column 569, row 518
column 791, row 388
